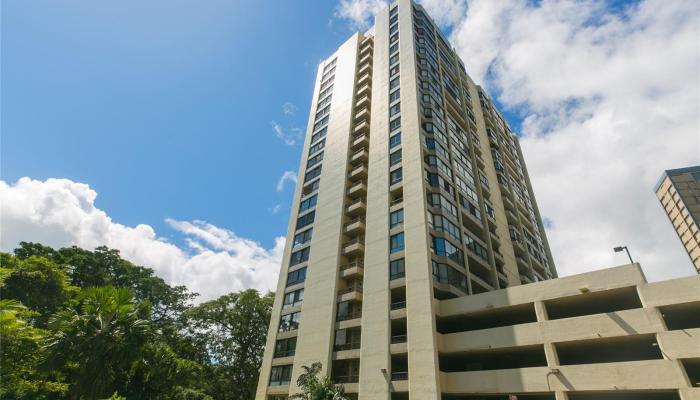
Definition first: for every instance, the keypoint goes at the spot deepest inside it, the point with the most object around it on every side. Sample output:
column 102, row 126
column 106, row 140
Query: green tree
column 317, row 388
column 233, row 328
column 98, row 341
column 20, row 354
column 38, row 283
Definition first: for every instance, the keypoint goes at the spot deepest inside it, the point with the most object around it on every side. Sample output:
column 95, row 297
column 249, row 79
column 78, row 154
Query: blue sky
column 165, row 111
column 163, row 108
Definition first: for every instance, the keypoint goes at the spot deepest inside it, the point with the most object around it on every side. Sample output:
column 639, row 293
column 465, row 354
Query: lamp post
column 620, row 248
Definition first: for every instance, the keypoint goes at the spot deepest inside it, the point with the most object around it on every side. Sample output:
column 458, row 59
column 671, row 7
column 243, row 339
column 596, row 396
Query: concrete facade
column 678, row 190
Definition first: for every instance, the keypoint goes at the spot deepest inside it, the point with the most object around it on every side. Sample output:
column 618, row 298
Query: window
column 297, row 276
column 308, row 203
column 445, row 248
column 394, row 83
column 311, row 188
column 396, row 218
column 293, row 299
column 394, row 59
column 314, row 160
column 477, row 248
column 395, row 157
column 395, row 124
column 394, row 38
column 438, row 200
column 299, row 256
column 443, row 273
column 323, row 112
column 319, row 135
column 395, row 176
column 305, row 220
column 394, row 47
column 394, row 70
column 441, row 223
column 395, row 109
column 394, row 29
column 394, row 95
column 397, row 269
column 290, row 322
column 302, row 238
column 280, row 375
column 318, row 146
column 395, row 140
column 320, row 123
column 312, row 174
column 396, row 243
column 285, row 347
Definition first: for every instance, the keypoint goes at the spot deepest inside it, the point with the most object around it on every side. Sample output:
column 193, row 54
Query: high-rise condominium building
column 678, row 191
column 412, row 189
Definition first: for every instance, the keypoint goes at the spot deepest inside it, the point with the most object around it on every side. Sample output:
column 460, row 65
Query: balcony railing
column 349, row 290
column 357, row 240
column 397, row 275
column 352, row 221
column 399, row 339
column 349, row 316
column 398, row 305
column 347, row 346
column 346, row 379
column 399, row 376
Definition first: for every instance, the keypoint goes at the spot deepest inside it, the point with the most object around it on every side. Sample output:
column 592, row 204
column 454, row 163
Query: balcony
column 398, row 305
column 356, row 207
column 366, row 89
column 354, row 246
column 354, row 226
column 346, row 379
column 358, row 172
column 366, row 78
column 362, row 114
column 367, row 58
column 347, row 346
column 362, row 127
column 354, row 269
column 362, row 102
column 365, row 68
column 357, row 188
column 349, row 316
column 359, row 141
column 360, row 155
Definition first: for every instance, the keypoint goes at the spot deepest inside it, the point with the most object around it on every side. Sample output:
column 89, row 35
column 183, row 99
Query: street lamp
column 620, row 248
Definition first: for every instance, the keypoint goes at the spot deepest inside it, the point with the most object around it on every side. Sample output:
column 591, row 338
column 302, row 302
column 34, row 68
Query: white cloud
column 610, row 100
column 290, row 176
column 288, row 108
column 291, row 137
column 276, row 208
column 359, row 12
column 60, row 212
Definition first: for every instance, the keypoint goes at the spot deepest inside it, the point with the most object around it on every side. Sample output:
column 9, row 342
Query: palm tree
column 99, row 341
column 315, row 388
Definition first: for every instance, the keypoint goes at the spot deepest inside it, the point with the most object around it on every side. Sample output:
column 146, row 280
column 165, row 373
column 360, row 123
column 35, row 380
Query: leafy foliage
column 317, row 388
column 79, row 324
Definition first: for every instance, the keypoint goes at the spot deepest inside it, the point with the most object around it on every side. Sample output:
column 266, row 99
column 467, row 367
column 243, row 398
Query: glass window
column 305, row 219
column 395, row 157
column 394, row 47
column 394, row 95
column 280, row 375
column 395, row 140
column 293, row 299
column 395, row 176
column 395, row 124
column 397, row 269
column 318, row 146
column 393, row 71
column 396, row 242
column 285, row 347
column 302, row 238
column 312, row 174
column 321, row 133
column 308, row 203
column 290, row 322
column 395, row 109
column 299, row 256
column 394, row 83
column 445, row 248
column 297, row 276
column 314, row 160
column 396, row 218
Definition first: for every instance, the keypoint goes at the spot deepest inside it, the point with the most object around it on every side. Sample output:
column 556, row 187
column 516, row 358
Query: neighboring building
column 412, row 189
column 678, row 191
